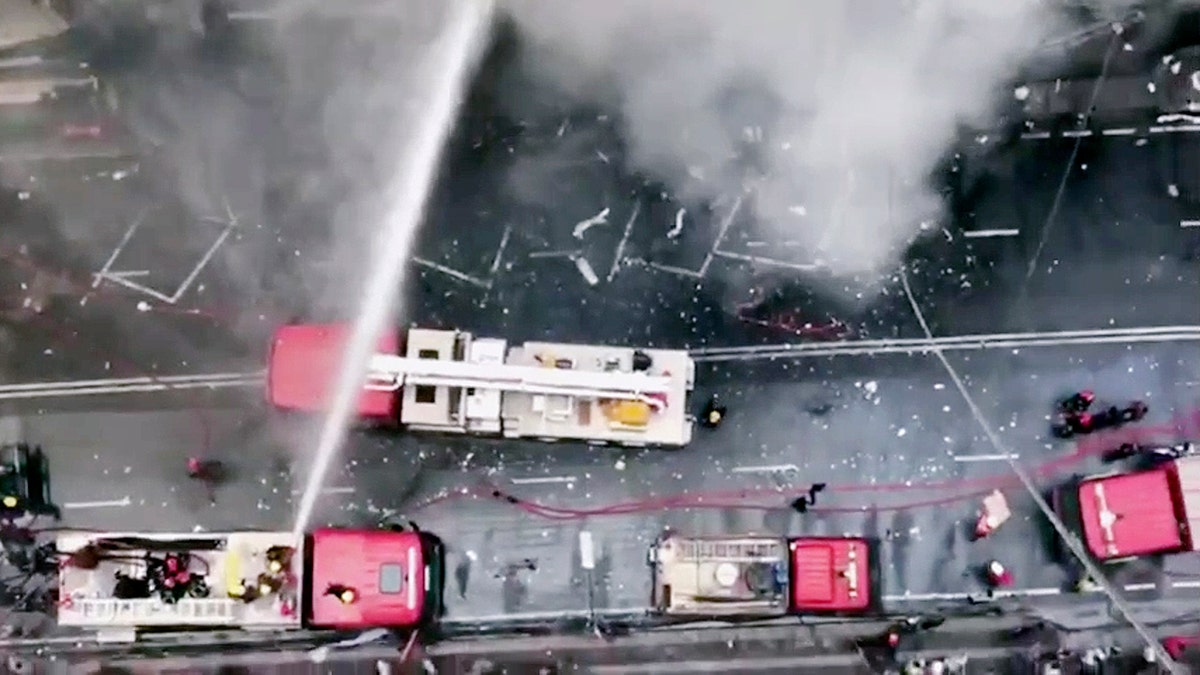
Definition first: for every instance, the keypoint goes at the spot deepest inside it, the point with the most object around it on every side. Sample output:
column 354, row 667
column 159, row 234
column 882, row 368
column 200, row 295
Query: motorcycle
column 1070, row 423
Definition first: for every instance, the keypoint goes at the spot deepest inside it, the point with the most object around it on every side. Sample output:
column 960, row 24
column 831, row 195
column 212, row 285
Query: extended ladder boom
column 392, row 372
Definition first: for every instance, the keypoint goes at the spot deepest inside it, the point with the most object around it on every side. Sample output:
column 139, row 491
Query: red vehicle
column 1127, row 515
column 450, row 381
column 763, row 576
column 350, row 579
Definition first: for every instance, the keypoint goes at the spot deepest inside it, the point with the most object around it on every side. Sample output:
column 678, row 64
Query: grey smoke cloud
column 845, row 106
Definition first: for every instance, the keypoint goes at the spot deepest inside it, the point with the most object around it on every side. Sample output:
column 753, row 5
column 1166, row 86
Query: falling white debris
column 1173, row 190
column 939, row 386
column 678, row 227
column 143, row 306
column 1021, row 93
column 871, row 387
column 585, row 268
column 1128, row 47
column 1150, row 87
column 472, row 556
column 383, row 667
column 120, row 175
column 587, row 551
column 900, row 433
column 23, row 195
column 584, row 225
column 620, row 465
column 798, row 210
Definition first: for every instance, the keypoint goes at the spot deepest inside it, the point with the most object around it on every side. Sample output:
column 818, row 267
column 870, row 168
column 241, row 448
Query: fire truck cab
column 762, row 576
column 1121, row 516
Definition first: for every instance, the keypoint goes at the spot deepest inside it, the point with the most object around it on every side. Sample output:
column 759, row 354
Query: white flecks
column 120, row 174
column 946, row 408
column 472, row 556
column 939, row 386
column 1021, row 93
column 901, row 432
column 1176, row 67
column 798, row 210
column 620, row 465
column 584, row 225
column 23, row 195
column 1127, row 47
column 1151, row 88
column 678, row 227
column 143, row 306
column 1173, row 190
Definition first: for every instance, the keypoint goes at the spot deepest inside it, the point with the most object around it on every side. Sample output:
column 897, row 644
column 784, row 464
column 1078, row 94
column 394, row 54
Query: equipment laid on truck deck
column 452, row 382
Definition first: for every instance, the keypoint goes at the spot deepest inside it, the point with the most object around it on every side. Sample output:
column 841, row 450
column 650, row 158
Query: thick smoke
column 835, row 114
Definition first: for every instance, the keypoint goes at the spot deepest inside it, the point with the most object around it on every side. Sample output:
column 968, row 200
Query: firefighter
column 344, row 594
column 713, row 413
column 998, row 575
column 208, row 472
column 1079, row 402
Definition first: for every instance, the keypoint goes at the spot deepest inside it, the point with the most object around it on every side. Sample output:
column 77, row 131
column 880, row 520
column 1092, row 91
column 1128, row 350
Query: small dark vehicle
column 1154, row 453
column 24, row 483
column 1071, row 424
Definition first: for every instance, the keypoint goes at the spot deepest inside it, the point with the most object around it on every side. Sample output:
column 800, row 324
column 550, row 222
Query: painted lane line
column 499, row 258
column 770, row 262
column 344, row 490
column 955, row 339
column 1015, row 593
column 1186, row 584
column 132, row 389
column 619, row 256
column 779, row 468
column 452, row 273
column 128, row 381
column 1134, row 588
column 1129, row 131
column 985, row 234
column 975, row 342
column 985, row 458
column 542, row 480
column 124, row 501
column 1189, row 223
column 726, row 223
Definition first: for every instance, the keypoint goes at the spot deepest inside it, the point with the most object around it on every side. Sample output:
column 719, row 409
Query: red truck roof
column 385, row 569
column 831, row 574
column 303, row 366
column 1130, row 514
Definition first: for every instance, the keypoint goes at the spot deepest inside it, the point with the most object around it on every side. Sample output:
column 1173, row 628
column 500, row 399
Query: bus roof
column 303, row 366
column 385, row 569
column 1130, row 514
column 830, row 574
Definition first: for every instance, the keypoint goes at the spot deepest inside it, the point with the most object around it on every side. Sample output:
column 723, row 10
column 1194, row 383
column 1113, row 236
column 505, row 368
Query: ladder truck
column 450, row 381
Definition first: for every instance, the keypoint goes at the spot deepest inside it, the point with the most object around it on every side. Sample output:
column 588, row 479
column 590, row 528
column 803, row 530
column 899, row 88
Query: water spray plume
column 450, row 63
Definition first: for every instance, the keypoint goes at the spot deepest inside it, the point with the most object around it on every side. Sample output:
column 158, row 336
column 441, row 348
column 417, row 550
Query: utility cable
column 1067, row 536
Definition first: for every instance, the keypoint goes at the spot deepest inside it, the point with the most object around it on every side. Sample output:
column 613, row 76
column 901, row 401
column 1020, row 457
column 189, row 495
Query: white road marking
column 619, row 256
column 669, row 269
column 1186, row 584
column 1133, row 588
column 999, row 594
column 770, row 262
column 1036, row 135
column 500, row 250
column 984, row 234
column 124, row 501
column 555, row 254
column 542, row 480
column 130, row 389
column 953, row 343
column 1077, row 133
column 1128, row 131
column 125, row 381
column 344, row 490
column 726, row 223
column 985, row 458
column 452, row 273
column 122, row 277
column 778, row 468
column 1189, row 223
column 1121, row 131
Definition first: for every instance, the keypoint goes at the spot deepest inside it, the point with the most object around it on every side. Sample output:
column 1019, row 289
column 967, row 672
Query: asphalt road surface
column 1116, row 253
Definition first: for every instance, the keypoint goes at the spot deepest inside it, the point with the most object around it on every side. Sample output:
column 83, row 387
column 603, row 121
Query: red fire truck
column 450, row 381
column 121, row 584
column 763, row 576
column 1153, row 511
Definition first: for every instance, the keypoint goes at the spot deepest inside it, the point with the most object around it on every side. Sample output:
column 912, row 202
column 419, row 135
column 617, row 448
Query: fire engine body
column 452, row 382
column 763, row 576
column 1149, row 512
column 122, row 584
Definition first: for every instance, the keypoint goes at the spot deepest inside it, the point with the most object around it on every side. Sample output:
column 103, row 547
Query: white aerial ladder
column 390, row 373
